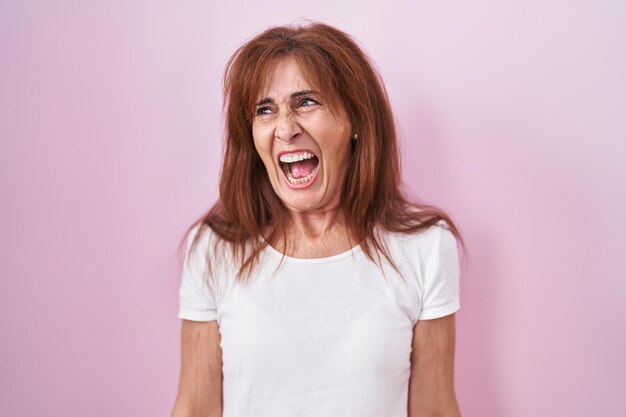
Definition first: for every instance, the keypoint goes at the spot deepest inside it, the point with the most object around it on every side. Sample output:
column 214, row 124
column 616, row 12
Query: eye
column 307, row 102
column 262, row 111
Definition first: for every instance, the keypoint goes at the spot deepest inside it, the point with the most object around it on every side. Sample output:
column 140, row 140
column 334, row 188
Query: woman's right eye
column 261, row 111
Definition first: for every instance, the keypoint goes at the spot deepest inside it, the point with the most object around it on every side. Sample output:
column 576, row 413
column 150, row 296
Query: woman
column 313, row 287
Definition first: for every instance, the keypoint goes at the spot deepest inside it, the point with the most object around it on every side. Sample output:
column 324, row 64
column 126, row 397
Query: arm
column 200, row 386
column 431, row 385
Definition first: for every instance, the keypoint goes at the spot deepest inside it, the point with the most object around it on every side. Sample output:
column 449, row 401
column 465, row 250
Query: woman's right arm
column 200, row 386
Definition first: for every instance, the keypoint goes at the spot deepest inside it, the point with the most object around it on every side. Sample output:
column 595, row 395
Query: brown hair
column 333, row 64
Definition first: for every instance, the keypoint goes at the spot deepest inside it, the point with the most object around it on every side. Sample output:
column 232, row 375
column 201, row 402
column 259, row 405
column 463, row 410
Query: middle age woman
column 313, row 287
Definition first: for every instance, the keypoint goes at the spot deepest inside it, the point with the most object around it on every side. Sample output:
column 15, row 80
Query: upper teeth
column 295, row 157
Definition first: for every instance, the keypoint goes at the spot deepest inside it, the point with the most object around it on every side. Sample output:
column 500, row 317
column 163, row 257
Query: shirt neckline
column 350, row 252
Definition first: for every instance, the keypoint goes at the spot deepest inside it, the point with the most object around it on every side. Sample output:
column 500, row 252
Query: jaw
column 321, row 196
column 320, row 193
column 298, row 168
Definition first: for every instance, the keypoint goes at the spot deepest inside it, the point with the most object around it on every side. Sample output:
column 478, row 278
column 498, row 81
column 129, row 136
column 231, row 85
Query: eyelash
column 261, row 110
column 308, row 99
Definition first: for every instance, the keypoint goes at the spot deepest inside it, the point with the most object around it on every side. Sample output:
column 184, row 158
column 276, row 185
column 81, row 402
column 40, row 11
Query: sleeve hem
column 435, row 313
column 197, row 315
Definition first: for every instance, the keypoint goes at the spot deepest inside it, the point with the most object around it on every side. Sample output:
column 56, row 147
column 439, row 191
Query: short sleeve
column 196, row 300
column 441, row 286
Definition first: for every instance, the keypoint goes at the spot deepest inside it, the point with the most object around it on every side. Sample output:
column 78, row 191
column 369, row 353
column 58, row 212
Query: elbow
column 448, row 410
column 448, row 413
column 185, row 410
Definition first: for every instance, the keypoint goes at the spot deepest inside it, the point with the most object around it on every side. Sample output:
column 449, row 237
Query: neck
column 315, row 235
column 315, row 226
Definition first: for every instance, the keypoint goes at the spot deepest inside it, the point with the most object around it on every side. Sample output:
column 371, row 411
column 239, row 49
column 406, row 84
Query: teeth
column 295, row 157
column 302, row 180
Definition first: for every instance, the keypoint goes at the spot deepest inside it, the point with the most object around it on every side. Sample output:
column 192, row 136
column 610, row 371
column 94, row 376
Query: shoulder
column 414, row 251
column 201, row 235
column 198, row 240
column 423, row 240
column 204, row 248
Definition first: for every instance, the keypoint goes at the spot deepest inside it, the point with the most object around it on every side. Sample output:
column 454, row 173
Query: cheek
column 338, row 145
column 263, row 147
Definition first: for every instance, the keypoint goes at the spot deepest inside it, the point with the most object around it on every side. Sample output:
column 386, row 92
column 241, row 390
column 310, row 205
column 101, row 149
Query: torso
column 328, row 335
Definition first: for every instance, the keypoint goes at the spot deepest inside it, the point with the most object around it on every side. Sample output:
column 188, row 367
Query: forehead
column 284, row 76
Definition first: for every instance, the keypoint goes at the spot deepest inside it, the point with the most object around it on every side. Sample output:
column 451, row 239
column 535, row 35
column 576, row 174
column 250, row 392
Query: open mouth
column 299, row 167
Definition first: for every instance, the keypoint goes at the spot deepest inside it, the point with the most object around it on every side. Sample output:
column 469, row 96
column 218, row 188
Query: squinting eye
column 262, row 111
column 306, row 102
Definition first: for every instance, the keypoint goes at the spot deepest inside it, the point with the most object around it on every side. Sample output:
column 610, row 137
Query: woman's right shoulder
column 198, row 239
column 209, row 252
column 202, row 240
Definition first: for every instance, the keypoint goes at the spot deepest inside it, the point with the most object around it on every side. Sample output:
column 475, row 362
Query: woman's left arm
column 431, row 385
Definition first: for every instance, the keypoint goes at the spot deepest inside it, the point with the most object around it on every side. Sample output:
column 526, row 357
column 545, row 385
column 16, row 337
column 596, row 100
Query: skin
column 283, row 122
column 288, row 121
column 431, row 385
column 200, row 382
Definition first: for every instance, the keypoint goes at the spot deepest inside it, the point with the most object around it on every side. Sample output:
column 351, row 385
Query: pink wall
column 514, row 120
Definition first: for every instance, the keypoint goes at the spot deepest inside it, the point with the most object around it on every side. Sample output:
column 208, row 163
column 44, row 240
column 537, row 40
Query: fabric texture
column 322, row 337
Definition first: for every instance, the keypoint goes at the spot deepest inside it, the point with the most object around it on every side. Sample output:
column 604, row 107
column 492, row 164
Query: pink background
column 513, row 117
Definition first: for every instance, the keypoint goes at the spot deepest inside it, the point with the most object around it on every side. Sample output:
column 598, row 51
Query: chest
column 311, row 322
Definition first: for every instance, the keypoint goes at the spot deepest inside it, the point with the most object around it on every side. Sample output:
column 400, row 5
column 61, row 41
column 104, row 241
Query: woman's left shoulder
column 425, row 237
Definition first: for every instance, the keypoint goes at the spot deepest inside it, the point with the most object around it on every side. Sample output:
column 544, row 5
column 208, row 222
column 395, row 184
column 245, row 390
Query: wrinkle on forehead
column 309, row 83
column 275, row 71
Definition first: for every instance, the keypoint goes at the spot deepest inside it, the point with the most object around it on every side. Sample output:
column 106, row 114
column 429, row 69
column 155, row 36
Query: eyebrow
column 297, row 94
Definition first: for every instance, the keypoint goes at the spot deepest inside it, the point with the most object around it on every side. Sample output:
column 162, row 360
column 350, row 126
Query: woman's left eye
column 306, row 102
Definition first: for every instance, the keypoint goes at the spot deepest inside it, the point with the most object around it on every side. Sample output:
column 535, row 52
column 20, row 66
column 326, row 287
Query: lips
column 299, row 167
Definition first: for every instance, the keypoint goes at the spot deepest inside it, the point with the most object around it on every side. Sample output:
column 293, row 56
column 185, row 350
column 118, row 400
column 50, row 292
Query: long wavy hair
column 372, row 196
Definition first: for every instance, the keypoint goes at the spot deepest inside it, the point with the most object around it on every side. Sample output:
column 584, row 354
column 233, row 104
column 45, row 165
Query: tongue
column 302, row 168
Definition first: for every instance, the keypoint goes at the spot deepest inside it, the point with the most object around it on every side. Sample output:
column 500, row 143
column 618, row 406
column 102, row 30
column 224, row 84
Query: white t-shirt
column 323, row 337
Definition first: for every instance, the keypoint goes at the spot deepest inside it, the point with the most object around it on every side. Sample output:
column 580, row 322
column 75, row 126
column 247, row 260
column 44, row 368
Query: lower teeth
column 303, row 179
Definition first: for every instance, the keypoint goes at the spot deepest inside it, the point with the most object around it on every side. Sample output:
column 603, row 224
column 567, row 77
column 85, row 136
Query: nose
column 287, row 128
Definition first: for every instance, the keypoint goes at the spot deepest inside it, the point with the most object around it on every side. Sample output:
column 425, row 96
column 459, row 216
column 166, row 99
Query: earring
column 355, row 136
